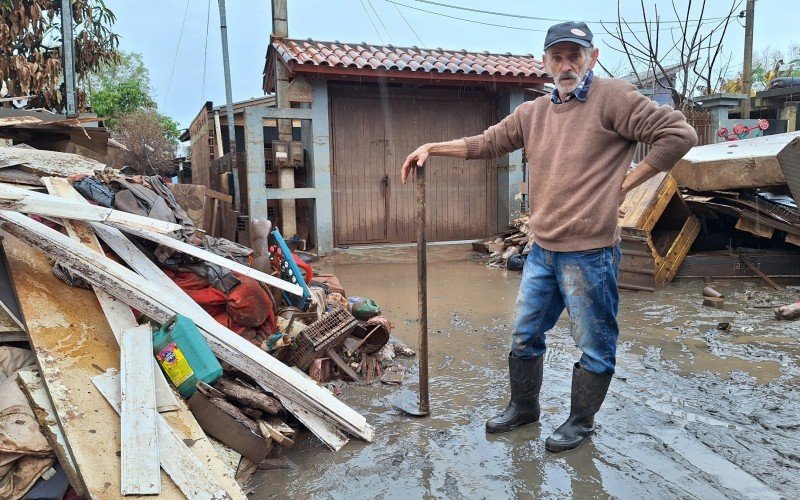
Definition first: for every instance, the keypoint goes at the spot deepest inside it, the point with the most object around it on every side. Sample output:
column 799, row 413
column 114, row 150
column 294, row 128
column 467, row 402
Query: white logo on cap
column 576, row 31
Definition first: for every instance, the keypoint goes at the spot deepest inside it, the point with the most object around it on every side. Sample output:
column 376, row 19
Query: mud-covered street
column 693, row 411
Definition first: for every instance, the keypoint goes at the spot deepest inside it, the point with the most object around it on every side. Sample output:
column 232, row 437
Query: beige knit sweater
column 579, row 153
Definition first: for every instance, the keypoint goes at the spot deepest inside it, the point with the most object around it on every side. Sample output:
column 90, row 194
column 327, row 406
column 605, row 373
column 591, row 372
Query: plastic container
column 184, row 355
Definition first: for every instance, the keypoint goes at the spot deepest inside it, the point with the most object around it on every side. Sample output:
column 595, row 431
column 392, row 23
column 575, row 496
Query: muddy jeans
column 586, row 283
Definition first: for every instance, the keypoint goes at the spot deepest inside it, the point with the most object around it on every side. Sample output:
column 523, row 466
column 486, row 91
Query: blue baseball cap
column 574, row 32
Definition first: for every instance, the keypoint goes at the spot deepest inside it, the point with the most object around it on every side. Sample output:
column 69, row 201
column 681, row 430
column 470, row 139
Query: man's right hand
column 416, row 159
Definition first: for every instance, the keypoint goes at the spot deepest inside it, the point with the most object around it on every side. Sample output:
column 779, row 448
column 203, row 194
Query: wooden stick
column 161, row 303
column 118, row 314
column 22, row 200
column 177, row 460
column 248, row 396
column 211, row 257
column 761, row 274
column 138, row 421
column 32, row 385
column 214, row 217
column 269, row 431
column 344, row 366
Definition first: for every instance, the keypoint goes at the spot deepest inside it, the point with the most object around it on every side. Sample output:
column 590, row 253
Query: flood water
column 692, row 412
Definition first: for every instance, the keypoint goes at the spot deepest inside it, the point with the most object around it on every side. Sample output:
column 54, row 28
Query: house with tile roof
column 362, row 108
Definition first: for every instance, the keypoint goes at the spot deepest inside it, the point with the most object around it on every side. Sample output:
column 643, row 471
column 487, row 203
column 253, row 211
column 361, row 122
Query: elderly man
column 579, row 142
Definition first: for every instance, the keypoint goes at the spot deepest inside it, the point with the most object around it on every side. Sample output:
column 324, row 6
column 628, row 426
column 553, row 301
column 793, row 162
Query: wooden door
column 372, row 135
column 359, row 174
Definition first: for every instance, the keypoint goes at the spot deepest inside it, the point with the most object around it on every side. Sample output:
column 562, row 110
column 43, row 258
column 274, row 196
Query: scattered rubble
column 257, row 321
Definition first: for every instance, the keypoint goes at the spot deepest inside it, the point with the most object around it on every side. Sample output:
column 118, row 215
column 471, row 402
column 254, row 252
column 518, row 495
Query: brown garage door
column 372, row 135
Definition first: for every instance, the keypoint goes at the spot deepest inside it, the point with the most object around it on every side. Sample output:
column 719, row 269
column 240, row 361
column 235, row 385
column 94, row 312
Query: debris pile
column 507, row 249
column 727, row 210
column 115, row 328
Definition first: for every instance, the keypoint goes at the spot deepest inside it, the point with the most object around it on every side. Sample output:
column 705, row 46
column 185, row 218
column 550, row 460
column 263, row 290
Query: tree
column 151, row 139
column 693, row 44
column 767, row 65
column 120, row 93
column 31, row 47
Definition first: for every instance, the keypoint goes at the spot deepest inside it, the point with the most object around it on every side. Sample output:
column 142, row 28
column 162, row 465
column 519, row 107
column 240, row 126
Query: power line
column 518, row 28
column 464, row 19
column 520, row 16
column 205, row 52
column 409, row 25
column 174, row 61
column 380, row 20
column 371, row 21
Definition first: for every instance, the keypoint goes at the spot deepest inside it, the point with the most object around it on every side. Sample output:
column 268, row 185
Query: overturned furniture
column 657, row 231
column 750, row 163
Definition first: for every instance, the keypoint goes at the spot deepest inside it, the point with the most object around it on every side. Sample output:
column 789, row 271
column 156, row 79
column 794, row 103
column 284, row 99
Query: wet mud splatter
column 693, row 411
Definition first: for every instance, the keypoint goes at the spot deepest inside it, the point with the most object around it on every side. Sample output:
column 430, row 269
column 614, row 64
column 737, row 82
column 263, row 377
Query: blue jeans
column 583, row 282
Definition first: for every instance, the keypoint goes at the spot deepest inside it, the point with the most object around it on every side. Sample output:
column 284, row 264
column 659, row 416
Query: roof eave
column 417, row 76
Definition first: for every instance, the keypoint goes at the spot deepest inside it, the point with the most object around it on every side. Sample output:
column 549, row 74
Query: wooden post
column 280, row 29
column 422, row 292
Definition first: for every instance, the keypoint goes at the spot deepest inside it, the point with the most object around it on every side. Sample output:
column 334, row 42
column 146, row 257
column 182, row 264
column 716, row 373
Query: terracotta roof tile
column 378, row 57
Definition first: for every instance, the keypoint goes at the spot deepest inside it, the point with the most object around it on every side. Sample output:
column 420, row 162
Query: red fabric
column 248, row 310
column 308, row 273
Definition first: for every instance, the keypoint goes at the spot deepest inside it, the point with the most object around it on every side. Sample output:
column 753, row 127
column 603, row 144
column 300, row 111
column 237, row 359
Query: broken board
column 748, row 163
column 73, row 343
column 657, row 231
column 43, row 162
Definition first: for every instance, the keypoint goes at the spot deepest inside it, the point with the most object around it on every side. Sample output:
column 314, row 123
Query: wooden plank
column 211, row 257
column 9, row 301
column 214, row 218
column 73, row 343
column 763, row 276
column 49, row 162
column 138, row 427
column 735, row 164
column 176, row 458
column 160, row 304
column 324, row 431
column 219, row 196
column 22, row 200
column 118, row 314
column 32, row 386
column 344, row 366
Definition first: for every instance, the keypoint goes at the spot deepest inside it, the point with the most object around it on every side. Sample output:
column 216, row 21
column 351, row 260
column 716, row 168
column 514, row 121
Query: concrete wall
column 510, row 172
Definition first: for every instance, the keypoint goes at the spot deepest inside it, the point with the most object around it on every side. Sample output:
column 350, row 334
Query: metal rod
column 226, row 65
column 68, row 49
column 422, row 292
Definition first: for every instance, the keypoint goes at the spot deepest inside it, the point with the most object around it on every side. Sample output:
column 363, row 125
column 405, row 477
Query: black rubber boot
column 588, row 392
column 525, row 376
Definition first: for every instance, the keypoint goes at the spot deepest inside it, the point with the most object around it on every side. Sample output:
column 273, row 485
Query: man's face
column 568, row 63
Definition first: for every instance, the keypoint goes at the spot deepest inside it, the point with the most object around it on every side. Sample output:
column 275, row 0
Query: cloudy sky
column 181, row 46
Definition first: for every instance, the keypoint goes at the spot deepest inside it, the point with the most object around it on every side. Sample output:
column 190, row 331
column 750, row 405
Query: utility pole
column 68, row 49
column 223, row 26
column 747, row 71
column 280, row 29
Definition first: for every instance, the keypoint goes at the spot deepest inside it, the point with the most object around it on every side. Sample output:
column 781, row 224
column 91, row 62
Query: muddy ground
column 693, row 411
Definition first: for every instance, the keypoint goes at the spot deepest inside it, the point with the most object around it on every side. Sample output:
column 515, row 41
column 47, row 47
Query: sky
column 181, row 45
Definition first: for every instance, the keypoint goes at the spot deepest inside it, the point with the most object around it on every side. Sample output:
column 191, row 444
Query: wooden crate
column 657, row 232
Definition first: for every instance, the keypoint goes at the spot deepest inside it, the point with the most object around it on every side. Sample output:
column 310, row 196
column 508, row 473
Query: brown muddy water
column 693, row 411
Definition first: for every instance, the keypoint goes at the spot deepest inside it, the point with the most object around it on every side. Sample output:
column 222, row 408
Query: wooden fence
column 699, row 120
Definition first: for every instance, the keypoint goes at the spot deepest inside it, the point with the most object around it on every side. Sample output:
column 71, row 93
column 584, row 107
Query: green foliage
column 122, row 89
column 116, row 99
column 170, row 128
